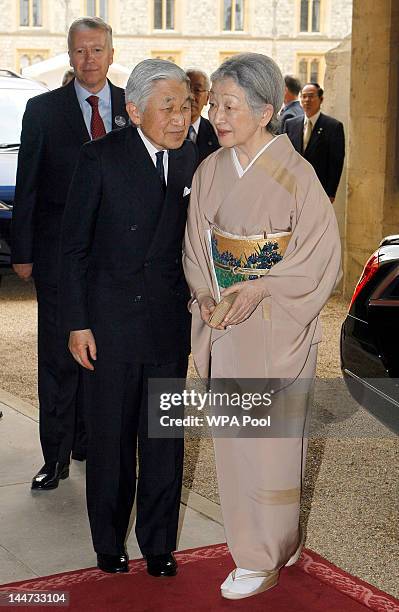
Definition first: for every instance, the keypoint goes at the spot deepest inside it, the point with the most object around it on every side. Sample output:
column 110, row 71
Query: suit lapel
column 297, row 135
column 315, row 137
column 173, row 196
column 140, row 172
column 120, row 118
column 73, row 114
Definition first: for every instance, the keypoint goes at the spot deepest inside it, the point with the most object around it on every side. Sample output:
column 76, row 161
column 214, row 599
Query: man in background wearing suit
column 55, row 126
column 201, row 131
column 123, row 298
column 292, row 107
column 319, row 138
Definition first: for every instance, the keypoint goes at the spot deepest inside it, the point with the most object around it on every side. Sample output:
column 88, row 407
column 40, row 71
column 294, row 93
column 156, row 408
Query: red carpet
column 312, row 585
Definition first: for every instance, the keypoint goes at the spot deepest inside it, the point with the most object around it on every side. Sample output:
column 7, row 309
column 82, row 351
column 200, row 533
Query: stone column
column 373, row 186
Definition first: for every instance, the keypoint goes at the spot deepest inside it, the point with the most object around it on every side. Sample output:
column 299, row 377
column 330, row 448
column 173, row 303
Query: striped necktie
column 97, row 127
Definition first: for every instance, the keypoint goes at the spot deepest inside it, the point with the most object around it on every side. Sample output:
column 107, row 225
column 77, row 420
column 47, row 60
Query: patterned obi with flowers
column 241, row 258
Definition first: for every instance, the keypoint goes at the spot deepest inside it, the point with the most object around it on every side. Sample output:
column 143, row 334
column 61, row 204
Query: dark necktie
column 160, row 169
column 97, row 127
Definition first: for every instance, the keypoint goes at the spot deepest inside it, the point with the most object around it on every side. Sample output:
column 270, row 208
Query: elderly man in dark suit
column 124, row 301
column 201, row 131
column 319, row 138
column 55, row 126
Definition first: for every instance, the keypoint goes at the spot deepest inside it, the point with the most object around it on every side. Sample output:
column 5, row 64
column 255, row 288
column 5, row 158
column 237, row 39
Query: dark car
column 370, row 336
column 15, row 91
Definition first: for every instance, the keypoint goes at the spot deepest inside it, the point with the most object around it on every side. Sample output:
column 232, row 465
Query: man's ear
column 133, row 113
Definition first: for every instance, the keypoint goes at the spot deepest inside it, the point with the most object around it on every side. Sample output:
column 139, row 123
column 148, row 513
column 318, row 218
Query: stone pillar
column 373, row 186
column 336, row 104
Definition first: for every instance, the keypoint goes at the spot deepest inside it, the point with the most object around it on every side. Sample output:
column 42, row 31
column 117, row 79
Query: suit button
column 137, row 298
column 133, row 228
column 146, row 264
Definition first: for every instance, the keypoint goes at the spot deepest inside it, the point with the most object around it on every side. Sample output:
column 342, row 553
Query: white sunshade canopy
column 51, row 71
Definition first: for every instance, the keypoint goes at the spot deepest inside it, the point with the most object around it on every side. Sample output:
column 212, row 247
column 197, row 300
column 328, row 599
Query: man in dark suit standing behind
column 124, row 299
column 55, row 126
column 201, row 131
column 292, row 107
column 319, row 138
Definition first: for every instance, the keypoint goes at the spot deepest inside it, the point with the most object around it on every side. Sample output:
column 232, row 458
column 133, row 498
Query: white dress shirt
column 152, row 151
column 104, row 105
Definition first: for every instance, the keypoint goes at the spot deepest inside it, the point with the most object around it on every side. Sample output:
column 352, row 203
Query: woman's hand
column 207, row 305
column 250, row 294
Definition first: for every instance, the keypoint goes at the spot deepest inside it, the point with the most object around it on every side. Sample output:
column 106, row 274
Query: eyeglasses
column 309, row 96
column 198, row 91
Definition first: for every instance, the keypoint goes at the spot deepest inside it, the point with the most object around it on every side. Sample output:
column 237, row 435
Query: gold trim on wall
column 172, row 56
column 310, row 12
column 233, row 18
column 310, row 57
column 32, row 27
column 45, row 53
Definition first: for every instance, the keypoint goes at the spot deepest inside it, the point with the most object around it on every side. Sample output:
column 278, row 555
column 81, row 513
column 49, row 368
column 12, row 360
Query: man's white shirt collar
column 152, row 152
column 196, row 124
column 313, row 119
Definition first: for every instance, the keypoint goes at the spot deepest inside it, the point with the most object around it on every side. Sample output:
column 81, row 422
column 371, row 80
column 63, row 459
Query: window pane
column 227, row 15
column 170, row 14
column 36, row 12
column 91, row 8
column 303, row 71
column 37, row 59
column 316, row 16
column 104, row 9
column 314, row 71
column 304, row 15
column 24, row 13
column 239, row 23
column 157, row 14
column 24, row 61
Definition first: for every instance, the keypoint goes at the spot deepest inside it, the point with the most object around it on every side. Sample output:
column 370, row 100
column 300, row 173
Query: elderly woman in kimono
column 260, row 227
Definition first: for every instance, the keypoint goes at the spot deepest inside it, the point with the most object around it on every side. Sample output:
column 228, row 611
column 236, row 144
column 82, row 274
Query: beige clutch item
column 222, row 309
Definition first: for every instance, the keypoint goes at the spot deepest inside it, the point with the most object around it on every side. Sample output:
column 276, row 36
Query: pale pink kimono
column 260, row 479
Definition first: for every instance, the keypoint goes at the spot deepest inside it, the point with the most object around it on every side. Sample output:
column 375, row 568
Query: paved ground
column 350, row 502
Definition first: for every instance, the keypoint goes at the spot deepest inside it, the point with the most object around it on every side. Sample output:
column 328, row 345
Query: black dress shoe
column 79, row 455
column 49, row 475
column 113, row 564
column 161, row 565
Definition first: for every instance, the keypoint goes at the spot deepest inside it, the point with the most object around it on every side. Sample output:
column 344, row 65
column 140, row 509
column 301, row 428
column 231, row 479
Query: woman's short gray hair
column 260, row 78
column 89, row 23
column 143, row 77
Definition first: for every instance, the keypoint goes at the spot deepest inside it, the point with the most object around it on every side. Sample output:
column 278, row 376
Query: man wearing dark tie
column 201, row 131
column 123, row 301
column 319, row 138
column 55, row 126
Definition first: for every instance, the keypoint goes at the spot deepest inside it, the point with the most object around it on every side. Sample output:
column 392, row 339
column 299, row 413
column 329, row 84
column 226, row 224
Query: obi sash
column 241, row 258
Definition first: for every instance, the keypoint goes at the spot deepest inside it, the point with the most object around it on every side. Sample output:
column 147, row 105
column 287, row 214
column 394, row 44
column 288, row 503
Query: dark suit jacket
column 53, row 131
column 325, row 150
column 121, row 250
column 207, row 141
column 293, row 109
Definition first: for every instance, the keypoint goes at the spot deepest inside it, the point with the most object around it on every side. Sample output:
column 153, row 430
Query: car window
column 12, row 107
column 392, row 291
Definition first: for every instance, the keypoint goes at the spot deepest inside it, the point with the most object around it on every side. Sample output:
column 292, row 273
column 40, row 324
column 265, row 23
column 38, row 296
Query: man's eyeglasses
column 311, row 96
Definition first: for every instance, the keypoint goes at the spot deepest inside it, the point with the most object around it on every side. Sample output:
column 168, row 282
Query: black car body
column 370, row 336
column 15, row 91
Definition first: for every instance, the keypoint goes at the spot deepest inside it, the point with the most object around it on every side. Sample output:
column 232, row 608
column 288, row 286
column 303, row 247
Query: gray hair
column 260, row 78
column 89, row 23
column 202, row 73
column 145, row 74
